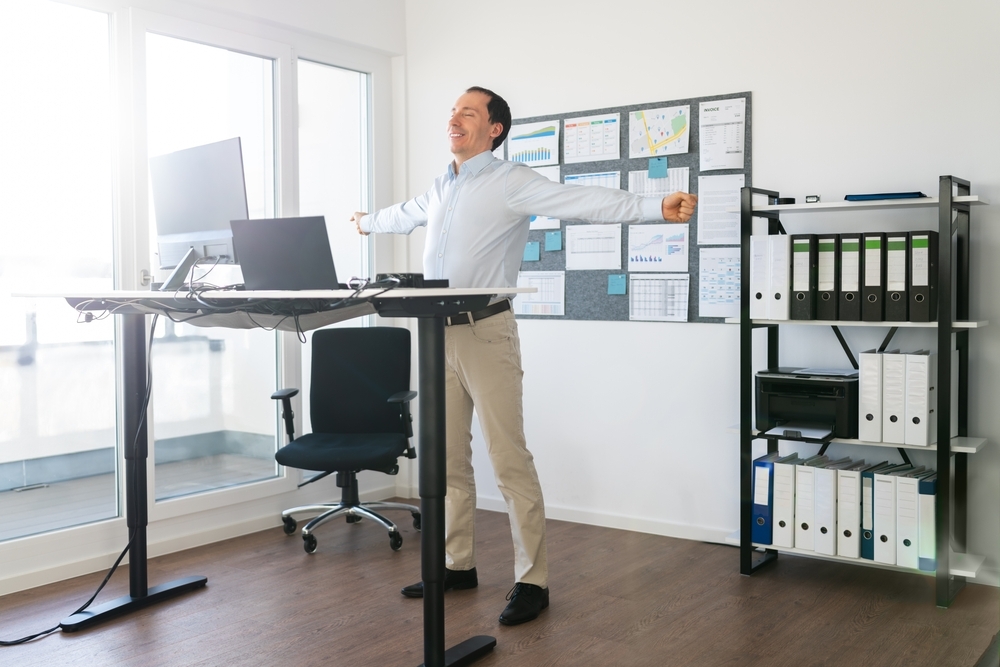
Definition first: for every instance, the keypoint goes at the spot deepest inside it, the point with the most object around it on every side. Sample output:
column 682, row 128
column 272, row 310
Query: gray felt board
column 587, row 295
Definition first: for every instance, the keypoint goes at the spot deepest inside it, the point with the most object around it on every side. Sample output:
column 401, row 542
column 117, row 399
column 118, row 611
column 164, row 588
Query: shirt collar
column 473, row 165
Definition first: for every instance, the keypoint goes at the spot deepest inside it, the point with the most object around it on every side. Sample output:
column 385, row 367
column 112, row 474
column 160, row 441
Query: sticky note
column 657, row 167
column 553, row 241
column 531, row 251
column 616, row 283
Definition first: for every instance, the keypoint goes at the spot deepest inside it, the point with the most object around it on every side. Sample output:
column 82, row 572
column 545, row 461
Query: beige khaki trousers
column 483, row 371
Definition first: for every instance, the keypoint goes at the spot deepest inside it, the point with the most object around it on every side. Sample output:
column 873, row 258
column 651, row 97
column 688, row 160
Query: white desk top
column 395, row 293
column 177, row 306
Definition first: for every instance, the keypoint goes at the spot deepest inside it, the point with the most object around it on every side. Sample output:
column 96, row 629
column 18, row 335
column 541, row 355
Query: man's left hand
column 679, row 207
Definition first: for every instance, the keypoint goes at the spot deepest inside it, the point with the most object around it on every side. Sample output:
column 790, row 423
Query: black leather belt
column 488, row 311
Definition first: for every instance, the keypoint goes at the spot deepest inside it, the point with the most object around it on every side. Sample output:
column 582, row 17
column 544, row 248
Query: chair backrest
column 354, row 371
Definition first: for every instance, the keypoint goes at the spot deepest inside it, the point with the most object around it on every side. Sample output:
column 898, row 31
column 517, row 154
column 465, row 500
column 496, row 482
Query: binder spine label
column 762, row 482
column 849, row 263
column 800, row 265
column 827, row 262
column 920, row 261
column 896, row 266
column 873, row 262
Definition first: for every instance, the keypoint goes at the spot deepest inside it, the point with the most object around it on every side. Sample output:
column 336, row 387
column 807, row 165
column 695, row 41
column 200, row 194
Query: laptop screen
column 284, row 254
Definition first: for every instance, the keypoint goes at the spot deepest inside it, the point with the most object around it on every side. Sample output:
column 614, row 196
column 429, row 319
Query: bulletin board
column 651, row 158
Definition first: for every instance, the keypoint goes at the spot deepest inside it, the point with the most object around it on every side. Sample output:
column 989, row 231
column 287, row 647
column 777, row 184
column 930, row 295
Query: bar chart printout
column 550, row 299
column 592, row 138
column 658, row 297
column 658, row 247
column 534, row 144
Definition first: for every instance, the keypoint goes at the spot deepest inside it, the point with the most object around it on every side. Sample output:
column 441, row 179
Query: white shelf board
column 959, row 324
column 959, row 445
column 959, row 565
column 843, row 205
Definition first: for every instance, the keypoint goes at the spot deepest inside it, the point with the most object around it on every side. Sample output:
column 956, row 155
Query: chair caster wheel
column 289, row 525
column 416, row 520
column 309, row 543
column 395, row 541
column 353, row 519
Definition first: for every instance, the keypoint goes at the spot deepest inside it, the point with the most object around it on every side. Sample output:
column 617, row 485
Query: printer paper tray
column 805, row 431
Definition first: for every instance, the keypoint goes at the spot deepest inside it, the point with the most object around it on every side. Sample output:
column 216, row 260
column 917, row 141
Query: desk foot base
column 128, row 604
column 469, row 651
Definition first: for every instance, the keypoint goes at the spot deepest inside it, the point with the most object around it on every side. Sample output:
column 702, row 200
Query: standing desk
column 251, row 309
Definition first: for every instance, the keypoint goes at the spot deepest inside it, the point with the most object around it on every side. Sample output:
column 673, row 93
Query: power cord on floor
column 131, row 537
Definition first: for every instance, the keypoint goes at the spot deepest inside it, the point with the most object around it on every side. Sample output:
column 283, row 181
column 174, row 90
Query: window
column 57, row 376
column 208, row 384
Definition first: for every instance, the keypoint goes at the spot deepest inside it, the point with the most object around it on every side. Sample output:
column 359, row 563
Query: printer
column 812, row 403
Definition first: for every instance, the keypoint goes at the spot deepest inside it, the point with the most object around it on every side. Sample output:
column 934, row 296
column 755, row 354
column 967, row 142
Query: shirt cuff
column 366, row 224
column 652, row 209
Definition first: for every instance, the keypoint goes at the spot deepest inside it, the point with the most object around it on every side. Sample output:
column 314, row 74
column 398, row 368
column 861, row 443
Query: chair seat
column 343, row 452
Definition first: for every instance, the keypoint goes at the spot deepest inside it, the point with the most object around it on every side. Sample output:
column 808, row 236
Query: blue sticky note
column 657, row 167
column 553, row 241
column 531, row 251
column 616, row 283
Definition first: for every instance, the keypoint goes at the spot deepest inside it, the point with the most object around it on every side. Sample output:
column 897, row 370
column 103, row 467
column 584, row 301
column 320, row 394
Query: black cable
column 131, row 538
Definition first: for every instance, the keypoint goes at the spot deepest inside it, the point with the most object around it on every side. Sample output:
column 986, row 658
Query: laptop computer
column 284, row 254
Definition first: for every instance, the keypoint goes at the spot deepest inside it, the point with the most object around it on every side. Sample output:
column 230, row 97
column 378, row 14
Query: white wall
column 628, row 420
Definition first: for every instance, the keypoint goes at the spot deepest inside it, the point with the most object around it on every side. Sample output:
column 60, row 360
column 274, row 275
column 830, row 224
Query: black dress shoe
column 526, row 602
column 453, row 579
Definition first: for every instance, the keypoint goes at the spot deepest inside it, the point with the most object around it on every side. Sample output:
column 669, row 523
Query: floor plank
column 618, row 598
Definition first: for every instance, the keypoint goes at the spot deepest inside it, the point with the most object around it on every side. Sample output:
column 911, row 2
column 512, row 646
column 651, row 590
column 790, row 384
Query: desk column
column 431, row 458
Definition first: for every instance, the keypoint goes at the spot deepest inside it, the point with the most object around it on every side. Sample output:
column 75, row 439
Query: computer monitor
column 196, row 192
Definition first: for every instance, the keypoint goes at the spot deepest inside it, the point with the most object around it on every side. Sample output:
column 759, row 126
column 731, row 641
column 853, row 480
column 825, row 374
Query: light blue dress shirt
column 477, row 220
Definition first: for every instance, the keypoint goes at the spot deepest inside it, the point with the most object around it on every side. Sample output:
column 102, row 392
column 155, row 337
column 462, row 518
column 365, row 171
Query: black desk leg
column 433, row 486
column 136, row 510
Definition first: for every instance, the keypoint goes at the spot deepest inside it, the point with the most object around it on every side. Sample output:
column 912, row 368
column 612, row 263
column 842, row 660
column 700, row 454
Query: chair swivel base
column 353, row 514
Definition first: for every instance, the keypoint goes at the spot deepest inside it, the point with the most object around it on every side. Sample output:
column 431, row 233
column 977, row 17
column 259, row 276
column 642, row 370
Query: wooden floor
column 618, row 598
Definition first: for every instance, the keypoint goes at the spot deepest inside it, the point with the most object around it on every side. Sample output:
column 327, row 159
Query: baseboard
column 619, row 521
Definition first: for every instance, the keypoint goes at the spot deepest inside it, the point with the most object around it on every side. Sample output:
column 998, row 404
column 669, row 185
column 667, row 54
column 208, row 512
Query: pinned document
column 531, row 251
column 553, row 241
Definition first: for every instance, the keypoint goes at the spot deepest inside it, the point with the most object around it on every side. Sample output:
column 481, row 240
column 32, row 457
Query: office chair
column 360, row 407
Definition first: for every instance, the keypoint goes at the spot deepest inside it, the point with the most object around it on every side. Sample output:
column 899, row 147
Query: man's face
column 470, row 131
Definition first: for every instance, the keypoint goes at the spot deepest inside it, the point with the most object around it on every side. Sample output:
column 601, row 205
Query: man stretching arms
column 477, row 216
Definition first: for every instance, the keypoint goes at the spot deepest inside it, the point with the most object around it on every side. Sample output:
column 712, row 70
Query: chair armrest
column 285, row 396
column 404, row 398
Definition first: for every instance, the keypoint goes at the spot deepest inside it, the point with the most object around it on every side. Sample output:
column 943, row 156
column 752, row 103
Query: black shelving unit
column 953, row 203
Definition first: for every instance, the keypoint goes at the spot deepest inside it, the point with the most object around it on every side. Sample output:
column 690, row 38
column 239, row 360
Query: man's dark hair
column 499, row 112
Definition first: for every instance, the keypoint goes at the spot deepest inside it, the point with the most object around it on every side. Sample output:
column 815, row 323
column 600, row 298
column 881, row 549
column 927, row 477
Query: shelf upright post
column 747, row 562
column 952, row 263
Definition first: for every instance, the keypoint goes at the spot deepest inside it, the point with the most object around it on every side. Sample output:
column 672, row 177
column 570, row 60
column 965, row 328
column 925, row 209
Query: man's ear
column 497, row 130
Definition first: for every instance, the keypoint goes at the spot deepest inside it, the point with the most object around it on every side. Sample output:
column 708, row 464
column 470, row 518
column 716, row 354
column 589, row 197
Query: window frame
column 184, row 522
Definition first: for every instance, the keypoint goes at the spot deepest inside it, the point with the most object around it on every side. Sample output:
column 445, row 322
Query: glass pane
column 209, row 384
column 57, row 376
column 333, row 158
column 333, row 170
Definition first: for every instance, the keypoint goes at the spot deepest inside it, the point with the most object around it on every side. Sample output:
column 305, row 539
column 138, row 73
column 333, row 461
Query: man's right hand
column 356, row 219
